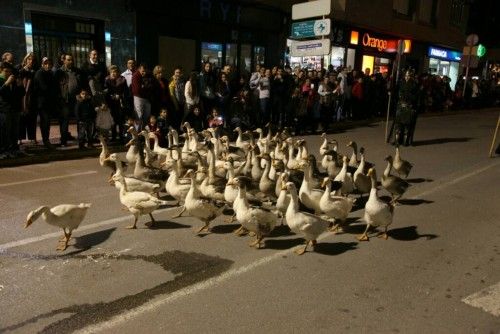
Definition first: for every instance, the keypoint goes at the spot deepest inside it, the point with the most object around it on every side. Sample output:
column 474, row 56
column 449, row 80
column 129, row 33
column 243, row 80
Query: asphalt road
column 444, row 247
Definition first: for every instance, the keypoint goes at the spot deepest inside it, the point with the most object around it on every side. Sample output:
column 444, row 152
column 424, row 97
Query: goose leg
column 256, row 243
column 134, row 226
column 383, row 234
column 302, row 250
column 152, row 222
column 203, row 228
column 64, row 244
column 65, row 236
column 180, row 214
column 231, row 219
column 364, row 236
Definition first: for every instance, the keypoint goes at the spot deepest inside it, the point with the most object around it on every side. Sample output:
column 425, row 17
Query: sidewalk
column 37, row 153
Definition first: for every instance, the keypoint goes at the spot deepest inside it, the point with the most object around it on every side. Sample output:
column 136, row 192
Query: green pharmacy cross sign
column 312, row 28
column 481, row 50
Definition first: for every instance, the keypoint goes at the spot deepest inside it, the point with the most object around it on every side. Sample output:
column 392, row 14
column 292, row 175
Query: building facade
column 365, row 35
column 49, row 28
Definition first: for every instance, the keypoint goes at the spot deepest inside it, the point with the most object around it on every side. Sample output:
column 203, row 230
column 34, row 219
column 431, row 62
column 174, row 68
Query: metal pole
column 467, row 72
column 387, row 118
column 494, row 137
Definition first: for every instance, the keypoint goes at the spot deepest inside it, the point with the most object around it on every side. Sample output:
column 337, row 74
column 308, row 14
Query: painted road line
column 3, row 185
column 232, row 273
column 488, row 299
column 27, row 241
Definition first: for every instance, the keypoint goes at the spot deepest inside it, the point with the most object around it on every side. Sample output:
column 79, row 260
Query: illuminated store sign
column 381, row 44
column 444, row 54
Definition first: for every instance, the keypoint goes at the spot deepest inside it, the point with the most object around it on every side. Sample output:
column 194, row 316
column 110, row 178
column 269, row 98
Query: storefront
column 358, row 50
column 374, row 51
column 444, row 62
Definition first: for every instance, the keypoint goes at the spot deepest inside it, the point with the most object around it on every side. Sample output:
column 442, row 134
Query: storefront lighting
column 28, row 28
column 107, row 36
column 354, row 37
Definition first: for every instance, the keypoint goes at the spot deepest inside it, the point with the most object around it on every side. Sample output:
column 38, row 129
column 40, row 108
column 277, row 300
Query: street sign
column 316, row 47
column 472, row 40
column 311, row 28
column 311, row 9
column 467, row 51
column 470, row 61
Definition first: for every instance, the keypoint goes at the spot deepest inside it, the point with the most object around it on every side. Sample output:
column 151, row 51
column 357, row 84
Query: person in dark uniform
column 406, row 110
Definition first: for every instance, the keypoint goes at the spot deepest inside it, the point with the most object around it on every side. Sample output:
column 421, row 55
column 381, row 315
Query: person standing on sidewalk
column 69, row 80
column 142, row 90
column 45, row 95
column 11, row 94
column 85, row 116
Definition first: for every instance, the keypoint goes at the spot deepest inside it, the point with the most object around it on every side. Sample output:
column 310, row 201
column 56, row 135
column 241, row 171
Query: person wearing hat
column 45, row 95
column 406, row 110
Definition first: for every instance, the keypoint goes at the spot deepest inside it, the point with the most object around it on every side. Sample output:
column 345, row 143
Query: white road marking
column 207, row 283
column 3, row 185
column 31, row 240
column 488, row 299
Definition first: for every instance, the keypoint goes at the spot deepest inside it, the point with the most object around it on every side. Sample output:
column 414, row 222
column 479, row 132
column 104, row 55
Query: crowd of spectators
column 103, row 100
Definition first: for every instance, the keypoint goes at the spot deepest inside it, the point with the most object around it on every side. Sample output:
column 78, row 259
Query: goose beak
column 28, row 223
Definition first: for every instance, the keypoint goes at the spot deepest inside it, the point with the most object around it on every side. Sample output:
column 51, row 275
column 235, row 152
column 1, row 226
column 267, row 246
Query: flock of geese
column 265, row 180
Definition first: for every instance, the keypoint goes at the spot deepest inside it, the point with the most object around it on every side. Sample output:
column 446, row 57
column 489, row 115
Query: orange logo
column 380, row 44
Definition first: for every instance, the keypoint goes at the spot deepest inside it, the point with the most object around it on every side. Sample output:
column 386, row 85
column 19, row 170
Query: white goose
column 402, row 167
column 377, row 212
column 65, row 216
column 204, row 209
column 309, row 225
column 139, row 203
column 362, row 182
column 308, row 196
column 345, row 178
column 254, row 219
column 133, row 184
column 283, row 197
column 337, row 207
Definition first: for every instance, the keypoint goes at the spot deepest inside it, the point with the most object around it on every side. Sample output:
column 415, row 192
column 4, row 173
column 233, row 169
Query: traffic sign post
column 471, row 41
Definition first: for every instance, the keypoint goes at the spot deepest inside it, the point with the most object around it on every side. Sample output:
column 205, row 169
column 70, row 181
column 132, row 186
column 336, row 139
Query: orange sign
column 380, row 44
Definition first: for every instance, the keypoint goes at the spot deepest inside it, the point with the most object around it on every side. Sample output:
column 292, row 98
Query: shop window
column 368, row 62
column 211, row 53
column 246, row 58
column 53, row 35
column 259, row 53
column 232, row 55
column 337, row 57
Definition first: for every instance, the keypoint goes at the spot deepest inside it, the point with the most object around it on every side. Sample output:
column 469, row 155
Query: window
column 53, row 35
column 231, row 54
column 401, row 7
column 246, row 58
column 259, row 55
column 211, row 53
column 456, row 12
column 427, row 11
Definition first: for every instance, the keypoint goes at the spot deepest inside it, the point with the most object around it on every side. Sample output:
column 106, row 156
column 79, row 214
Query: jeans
column 142, row 109
column 12, row 120
column 264, row 118
column 44, row 123
column 85, row 132
column 66, row 109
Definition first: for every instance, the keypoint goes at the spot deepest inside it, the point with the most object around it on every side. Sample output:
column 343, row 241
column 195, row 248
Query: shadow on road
column 441, row 141
column 419, row 180
column 90, row 240
column 281, row 231
column 283, row 243
column 167, row 225
column 414, row 201
column 334, row 248
column 408, row 233
column 225, row 228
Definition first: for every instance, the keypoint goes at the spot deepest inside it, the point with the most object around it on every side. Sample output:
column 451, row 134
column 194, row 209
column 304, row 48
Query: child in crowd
column 103, row 121
column 195, row 119
column 85, row 115
column 152, row 127
column 164, row 125
column 215, row 120
column 131, row 122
